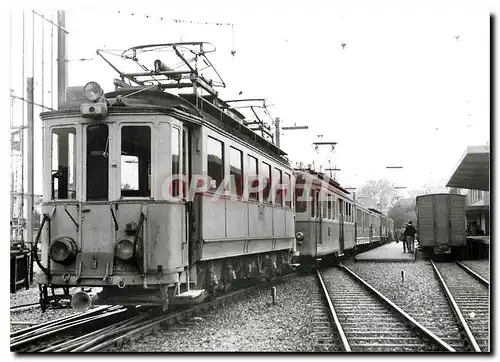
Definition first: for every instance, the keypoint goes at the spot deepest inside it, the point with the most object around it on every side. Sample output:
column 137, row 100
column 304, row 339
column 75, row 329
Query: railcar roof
column 154, row 100
column 323, row 177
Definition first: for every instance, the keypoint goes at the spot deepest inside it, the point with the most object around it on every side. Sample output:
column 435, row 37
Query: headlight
column 125, row 249
column 92, row 91
column 299, row 236
column 63, row 250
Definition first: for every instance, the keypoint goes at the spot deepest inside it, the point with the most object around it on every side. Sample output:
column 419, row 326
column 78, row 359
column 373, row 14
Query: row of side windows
column 255, row 169
column 328, row 207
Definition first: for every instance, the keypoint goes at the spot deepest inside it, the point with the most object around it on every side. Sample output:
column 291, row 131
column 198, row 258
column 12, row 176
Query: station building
column 472, row 178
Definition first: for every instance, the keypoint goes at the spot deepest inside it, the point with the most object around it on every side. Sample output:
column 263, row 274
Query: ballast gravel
column 250, row 325
column 29, row 316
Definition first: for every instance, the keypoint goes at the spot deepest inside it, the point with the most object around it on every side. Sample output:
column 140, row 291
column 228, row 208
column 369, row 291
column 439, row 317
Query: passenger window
column 288, row 190
column 253, row 177
column 329, row 206
column 175, row 161
column 63, row 168
column 324, row 202
column 136, row 161
column 215, row 159
column 313, row 204
column 301, row 195
column 267, row 182
column 97, row 162
column 278, row 183
column 236, row 171
column 316, row 199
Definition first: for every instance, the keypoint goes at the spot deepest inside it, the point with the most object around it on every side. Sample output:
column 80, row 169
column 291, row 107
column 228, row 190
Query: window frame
column 242, row 172
column 288, row 203
column 269, row 183
column 176, row 184
column 84, row 152
column 223, row 164
column 252, row 196
column 75, row 163
column 151, row 127
column 278, row 183
column 329, row 206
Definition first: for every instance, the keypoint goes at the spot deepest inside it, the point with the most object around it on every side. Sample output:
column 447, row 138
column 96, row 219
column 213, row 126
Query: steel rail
column 75, row 343
column 57, row 321
column 132, row 331
column 139, row 326
column 478, row 277
column 409, row 318
column 154, row 321
column 338, row 326
column 24, row 305
column 456, row 309
column 19, row 342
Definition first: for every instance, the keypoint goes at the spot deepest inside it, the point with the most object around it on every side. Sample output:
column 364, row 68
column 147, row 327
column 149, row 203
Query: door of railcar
column 341, row 227
column 317, row 223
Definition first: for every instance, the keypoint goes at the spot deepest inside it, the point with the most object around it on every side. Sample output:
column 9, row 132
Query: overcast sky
column 410, row 88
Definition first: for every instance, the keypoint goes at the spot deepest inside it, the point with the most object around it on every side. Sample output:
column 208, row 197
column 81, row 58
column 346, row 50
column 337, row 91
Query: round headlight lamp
column 124, row 249
column 299, row 236
column 92, row 91
column 63, row 250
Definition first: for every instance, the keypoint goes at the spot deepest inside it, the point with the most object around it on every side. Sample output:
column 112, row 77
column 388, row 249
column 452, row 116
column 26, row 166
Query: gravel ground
column 419, row 295
column 482, row 267
column 249, row 325
column 34, row 314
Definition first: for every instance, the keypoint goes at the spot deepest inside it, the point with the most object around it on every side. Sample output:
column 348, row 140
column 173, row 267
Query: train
column 329, row 222
column 163, row 198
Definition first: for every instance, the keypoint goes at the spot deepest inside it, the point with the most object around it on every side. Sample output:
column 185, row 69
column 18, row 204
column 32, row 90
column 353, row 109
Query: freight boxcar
column 441, row 223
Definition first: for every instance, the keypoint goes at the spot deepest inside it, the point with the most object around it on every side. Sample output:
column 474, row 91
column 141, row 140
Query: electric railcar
column 330, row 223
column 119, row 211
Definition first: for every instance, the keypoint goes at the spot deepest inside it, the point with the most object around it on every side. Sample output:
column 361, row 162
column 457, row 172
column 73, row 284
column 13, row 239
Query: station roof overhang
column 473, row 170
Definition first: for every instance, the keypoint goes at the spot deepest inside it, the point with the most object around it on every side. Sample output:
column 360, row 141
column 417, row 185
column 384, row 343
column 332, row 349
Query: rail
column 478, row 277
column 115, row 333
column 401, row 312
column 338, row 326
column 456, row 310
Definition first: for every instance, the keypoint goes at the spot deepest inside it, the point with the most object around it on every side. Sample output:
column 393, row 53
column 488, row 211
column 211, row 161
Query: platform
column 388, row 252
column 484, row 239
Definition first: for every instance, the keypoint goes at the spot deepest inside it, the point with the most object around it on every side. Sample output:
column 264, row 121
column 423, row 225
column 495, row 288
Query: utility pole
column 62, row 65
column 29, row 203
column 279, row 129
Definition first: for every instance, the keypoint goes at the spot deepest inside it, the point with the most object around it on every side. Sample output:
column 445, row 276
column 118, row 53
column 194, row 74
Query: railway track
column 468, row 295
column 366, row 321
column 59, row 331
column 324, row 335
column 106, row 327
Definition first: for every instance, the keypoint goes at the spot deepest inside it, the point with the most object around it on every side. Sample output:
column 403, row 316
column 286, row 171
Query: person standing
column 403, row 238
column 409, row 234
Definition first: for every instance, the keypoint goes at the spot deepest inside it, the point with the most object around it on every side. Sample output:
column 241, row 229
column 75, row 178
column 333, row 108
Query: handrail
column 35, row 246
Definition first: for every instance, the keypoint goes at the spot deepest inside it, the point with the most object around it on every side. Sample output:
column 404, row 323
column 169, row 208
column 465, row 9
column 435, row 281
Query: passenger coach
column 329, row 223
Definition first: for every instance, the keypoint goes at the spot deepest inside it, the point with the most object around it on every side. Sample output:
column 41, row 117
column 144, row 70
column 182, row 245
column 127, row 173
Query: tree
column 377, row 194
column 403, row 211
